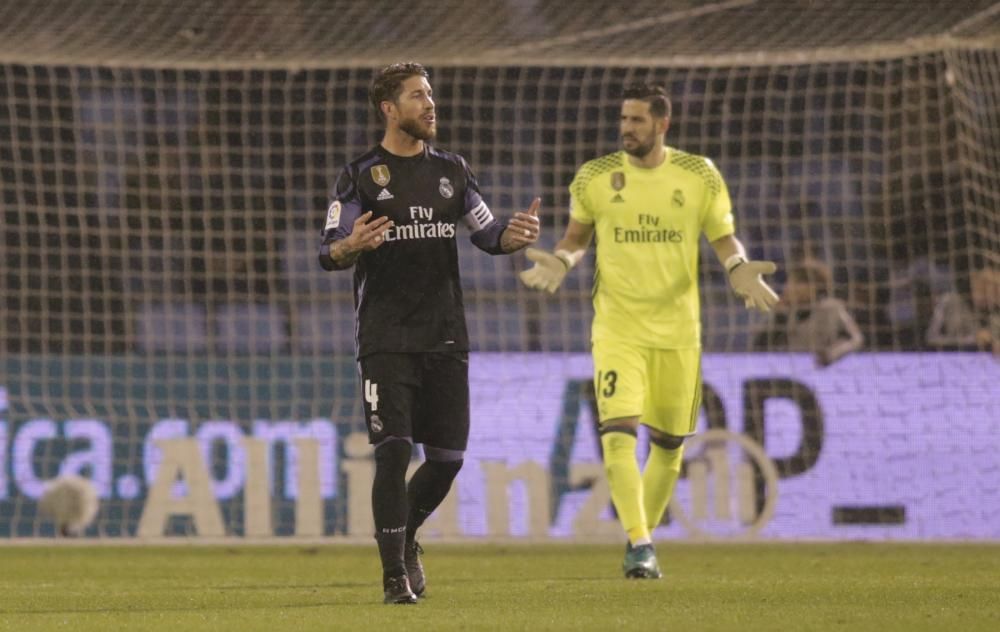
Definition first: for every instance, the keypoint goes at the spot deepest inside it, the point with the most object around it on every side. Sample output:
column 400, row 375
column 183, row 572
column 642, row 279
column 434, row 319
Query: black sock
column 389, row 504
column 428, row 487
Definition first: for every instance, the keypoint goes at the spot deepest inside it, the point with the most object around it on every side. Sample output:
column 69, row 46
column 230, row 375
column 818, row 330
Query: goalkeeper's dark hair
column 653, row 94
column 387, row 84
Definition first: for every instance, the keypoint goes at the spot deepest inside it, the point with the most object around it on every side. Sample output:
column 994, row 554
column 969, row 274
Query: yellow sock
column 625, row 482
column 658, row 480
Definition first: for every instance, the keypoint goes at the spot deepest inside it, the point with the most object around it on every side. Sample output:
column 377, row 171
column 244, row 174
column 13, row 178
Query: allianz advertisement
column 878, row 446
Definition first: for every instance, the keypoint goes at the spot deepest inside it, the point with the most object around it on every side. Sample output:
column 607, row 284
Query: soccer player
column 392, row 216
column 647, row 205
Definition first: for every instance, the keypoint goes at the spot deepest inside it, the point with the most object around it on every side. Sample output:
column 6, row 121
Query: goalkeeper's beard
column 640, row 150
column 418, row 129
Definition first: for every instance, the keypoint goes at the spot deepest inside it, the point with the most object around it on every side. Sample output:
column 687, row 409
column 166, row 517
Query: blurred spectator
column 986, row 302
column 913, row 292
column 867, row 305
column 969, row 321
column 809, row 319
column 953, row 325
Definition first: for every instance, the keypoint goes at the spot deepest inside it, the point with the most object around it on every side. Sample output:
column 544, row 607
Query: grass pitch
column 520, row 587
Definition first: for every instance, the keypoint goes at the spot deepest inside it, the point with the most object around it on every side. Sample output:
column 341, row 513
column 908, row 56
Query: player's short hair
column 388, row 83
column 653, row 94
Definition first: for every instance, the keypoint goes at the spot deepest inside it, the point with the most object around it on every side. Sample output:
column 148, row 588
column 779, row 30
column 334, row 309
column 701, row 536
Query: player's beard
column 640, row 149
column 418, row 129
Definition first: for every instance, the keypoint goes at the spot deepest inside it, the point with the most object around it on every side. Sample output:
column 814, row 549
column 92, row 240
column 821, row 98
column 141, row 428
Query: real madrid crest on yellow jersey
column 618, row 183
column 380, row 174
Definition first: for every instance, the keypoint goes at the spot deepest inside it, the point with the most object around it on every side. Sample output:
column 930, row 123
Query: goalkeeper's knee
column 666, row 441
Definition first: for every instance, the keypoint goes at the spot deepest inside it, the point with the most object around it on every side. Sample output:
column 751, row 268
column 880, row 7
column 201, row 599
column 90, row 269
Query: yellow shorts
column 660, row 386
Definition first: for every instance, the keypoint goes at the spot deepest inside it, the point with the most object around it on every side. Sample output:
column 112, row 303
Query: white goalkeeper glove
column 549, row 269
column 745, row 278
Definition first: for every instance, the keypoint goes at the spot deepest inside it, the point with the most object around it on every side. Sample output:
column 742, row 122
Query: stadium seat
column 483, row 272
column 564, row 325
column 726, row 324
column 495, row 322
column 171, row 328
column 251, row 328
column 326, row 327
column 300, row 250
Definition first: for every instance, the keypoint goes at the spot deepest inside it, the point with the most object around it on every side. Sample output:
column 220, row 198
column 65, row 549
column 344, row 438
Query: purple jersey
column 407, row 293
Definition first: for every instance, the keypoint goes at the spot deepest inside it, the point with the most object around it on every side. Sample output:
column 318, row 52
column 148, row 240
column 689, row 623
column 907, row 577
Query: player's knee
column 393, row 452
column 666, row 441
column 446, row 469
column 446, row 462
column 443, row 454
column 609, row 429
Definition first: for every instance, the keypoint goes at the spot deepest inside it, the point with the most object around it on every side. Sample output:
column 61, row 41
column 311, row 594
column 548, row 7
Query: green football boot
column 640, row 562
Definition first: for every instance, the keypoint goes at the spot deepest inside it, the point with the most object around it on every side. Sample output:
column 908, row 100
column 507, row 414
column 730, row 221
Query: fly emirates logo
column 423, row 227
column 648, row 231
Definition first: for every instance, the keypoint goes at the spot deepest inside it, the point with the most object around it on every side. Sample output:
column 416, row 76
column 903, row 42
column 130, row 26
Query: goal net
column 167, row 333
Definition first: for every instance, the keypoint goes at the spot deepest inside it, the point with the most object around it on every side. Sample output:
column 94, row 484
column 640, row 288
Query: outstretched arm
column 745, row 275
column 550, row 268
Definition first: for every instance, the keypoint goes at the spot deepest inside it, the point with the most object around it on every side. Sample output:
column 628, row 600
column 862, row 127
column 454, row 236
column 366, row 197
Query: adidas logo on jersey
column 385, row 195
column 618, row 198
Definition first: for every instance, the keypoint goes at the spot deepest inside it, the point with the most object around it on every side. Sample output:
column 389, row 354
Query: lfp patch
column 333, row 215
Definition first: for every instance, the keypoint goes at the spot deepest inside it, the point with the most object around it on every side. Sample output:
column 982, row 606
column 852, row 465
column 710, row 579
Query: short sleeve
column 473, row 200
column 717, row 221
column 579, row 204
column 344, row 207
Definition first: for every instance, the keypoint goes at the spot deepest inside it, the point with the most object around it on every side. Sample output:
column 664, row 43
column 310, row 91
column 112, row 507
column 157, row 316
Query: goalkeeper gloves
column 549, row 269
column 745, row 278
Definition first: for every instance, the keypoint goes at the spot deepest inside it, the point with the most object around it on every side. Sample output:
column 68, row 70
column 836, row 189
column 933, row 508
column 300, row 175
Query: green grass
column 521, row 587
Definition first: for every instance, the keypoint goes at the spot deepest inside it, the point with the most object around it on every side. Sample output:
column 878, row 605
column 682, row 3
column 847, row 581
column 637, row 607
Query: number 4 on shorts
column 371, row 394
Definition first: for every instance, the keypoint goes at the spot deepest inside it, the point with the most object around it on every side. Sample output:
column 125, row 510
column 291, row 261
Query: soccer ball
column 71, row 502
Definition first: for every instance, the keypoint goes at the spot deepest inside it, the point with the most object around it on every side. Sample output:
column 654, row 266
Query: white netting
column 165, row 169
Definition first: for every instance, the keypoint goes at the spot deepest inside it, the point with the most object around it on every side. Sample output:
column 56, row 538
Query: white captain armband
column 478, row 218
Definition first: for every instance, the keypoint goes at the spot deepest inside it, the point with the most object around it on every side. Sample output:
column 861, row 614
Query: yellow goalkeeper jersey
column 648, row 223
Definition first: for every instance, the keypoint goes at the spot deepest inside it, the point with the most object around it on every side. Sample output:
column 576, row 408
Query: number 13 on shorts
column 607, row 382
column 619, row 380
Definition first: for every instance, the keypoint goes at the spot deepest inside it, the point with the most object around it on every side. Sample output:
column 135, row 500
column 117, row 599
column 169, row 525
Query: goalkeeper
column 647, row 205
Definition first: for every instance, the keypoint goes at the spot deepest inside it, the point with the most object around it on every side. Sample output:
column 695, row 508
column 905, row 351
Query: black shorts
column 420, row 395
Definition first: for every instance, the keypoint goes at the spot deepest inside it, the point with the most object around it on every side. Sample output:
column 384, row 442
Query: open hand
column 749, row 284
column 368, row 235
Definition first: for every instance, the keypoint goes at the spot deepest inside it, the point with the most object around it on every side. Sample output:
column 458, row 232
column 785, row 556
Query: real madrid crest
column 380, row 174
column 617, row 180
column 445, row 188
column 376, row 424
column 678, row 198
